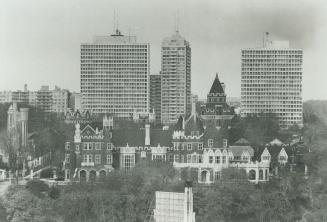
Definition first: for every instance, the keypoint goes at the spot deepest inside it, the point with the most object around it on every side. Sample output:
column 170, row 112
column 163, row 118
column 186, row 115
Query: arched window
column 260, row 174
column 252, row 175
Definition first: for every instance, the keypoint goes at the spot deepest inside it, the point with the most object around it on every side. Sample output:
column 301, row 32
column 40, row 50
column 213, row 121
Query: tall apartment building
column 44, row 99
column 60, row 100
column 115, row 75
column 6, row 97
column 272, row 81
column 155, row 96
column 55, row 100
column 175, row 78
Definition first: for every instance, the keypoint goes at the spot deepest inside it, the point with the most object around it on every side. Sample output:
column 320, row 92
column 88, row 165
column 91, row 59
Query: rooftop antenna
column 177, row 22
column 114, row 27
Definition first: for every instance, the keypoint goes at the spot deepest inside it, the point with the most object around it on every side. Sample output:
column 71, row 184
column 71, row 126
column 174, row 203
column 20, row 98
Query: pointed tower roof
column 216, row 86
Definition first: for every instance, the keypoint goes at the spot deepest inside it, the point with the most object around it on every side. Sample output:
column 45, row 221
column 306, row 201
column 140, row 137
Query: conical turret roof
column 216, row 86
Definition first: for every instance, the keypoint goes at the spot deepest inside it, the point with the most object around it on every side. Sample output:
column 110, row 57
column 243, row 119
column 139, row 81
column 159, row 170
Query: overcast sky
column 40, row 39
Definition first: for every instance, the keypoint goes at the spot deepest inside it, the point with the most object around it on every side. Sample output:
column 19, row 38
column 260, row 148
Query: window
column 109, row 159
column 210, row 159
column 217, row 159
column 176, row 146
column 210, row 142
column 224, row 159
column 109, row 146
column 90, row 158
column 110, row 135
column 194, row 159
column 189, row 158
column 217, row 175
column 87, row 146
column 77, row 147
column 282, row 158
column 128, row 161
column 200, row 146
column 176, row 158
column 98, row 146
column 189, row 146
column 87, row 158
column 67, row 145
column 97, row 158
column 224, row 143
column 67, row 158
column 200, row 158
column 265, row 158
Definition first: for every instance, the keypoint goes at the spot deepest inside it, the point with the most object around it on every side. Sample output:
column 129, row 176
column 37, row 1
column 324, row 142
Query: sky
column 40, row 39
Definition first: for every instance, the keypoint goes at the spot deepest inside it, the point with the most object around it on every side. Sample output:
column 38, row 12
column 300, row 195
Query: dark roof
column 179, row 125
column 162, row 137
column 241, row 141
column 238, row 150
column 216, row 86
column 274, row 150
column 132, row 137
column 194, row 123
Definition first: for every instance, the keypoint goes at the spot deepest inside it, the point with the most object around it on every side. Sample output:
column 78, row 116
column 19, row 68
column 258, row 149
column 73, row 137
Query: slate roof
column 179, row 125
column 194, row 123
column 132, row 137
column 238, row 150
column 216, row 86
column 273, row 150
column 241, row 141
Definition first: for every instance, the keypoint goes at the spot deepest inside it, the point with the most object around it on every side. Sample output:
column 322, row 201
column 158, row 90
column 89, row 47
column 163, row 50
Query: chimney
column 25, row 87
column 147, row 135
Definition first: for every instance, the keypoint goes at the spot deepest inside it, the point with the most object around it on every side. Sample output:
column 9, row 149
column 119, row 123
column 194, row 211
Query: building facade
column 56, row 100
column 155, row 96
column 216, row 109
column 115, row 75
column 271, row 82
column 175, row 78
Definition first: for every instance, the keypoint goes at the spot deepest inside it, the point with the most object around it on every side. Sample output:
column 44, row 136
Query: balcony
column 88, row 164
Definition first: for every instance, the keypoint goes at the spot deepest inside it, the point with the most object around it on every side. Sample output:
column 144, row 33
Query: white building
column 115, row 75
column 272, row 81
column 174, row 207
column 175, row 78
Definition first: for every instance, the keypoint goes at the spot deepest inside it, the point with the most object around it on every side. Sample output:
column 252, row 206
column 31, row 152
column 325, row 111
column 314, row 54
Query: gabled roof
column 194, row 123
column 216, row 86
column 238, row 150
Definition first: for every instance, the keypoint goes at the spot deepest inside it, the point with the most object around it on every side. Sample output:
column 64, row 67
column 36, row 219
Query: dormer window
column 210, row 142
column 265, row 158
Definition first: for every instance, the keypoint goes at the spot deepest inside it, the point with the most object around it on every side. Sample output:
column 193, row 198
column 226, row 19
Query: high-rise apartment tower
column 115, row 75
column 175, row 78
column 272, row 81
